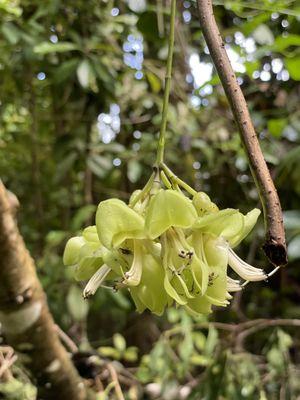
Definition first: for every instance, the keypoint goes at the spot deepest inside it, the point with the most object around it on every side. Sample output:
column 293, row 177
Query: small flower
column 84, row 253
column 168, row 217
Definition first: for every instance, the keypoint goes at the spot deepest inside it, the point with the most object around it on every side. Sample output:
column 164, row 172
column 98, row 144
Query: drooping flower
column 231, row 227
column 164, row 248
column 121, row 230
column 168, row 217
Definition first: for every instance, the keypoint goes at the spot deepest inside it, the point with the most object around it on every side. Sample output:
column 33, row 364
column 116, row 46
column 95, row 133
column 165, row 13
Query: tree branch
column 25, row 318
column 274, row 246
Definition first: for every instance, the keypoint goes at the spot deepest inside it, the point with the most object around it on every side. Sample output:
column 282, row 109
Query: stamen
column 95, row 281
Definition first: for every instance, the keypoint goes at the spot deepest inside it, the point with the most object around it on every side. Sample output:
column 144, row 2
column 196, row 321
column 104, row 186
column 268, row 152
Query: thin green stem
column 165, row 180
column 143, row 192
column 177, row 181
column 164, row 118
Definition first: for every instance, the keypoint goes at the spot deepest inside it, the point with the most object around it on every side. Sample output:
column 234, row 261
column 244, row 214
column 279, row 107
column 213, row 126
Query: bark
column 25, row 318
column 275, row 245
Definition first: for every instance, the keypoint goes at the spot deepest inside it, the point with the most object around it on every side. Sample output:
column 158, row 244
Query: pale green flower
column 231, row 227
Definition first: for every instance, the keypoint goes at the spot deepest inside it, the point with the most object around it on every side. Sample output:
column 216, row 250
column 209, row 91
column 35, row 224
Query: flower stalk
column 164, row 118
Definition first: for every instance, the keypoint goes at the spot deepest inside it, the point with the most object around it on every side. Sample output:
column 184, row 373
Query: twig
column 162, row 133
column 114, row 377
column 263, row 324
column 68, row 342
column 275, row 246
column 7, row 359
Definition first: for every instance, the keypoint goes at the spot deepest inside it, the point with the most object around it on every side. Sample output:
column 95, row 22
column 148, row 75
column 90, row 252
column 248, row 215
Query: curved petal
column 116, row 222
column 150, row 292
column 87, row 267
column 168, row 208
column 72, row 250
column 227, row 223
column 90, row 259
column 200, row 273
column 250, row 220
column 90, row 234
column 199, row 305
column 172, row 292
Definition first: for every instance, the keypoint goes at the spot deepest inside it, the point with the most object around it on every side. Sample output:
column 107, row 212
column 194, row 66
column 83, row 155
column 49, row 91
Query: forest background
column 81, row 96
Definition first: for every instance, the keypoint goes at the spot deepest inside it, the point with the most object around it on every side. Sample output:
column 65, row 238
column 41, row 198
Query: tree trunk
column 25, row 318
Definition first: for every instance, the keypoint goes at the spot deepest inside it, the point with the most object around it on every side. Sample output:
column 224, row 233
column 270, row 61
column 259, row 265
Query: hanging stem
column 162, row 133
column 143, row 193
column 275, row 246
column 177, row 181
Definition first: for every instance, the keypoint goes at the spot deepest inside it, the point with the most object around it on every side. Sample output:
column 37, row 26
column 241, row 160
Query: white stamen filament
column 233, row 285
column 243, row 269
column 95, row 281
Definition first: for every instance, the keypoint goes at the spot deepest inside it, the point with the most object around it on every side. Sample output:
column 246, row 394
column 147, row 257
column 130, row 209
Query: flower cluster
column 165, row 248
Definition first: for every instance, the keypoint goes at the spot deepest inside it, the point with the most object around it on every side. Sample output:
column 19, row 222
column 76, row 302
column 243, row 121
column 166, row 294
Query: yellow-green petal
column 90, row 234
column 168, row 208
column 117, row 222
column 198, row 305
column 250, row 220
column 227, row 223
column 72, row 250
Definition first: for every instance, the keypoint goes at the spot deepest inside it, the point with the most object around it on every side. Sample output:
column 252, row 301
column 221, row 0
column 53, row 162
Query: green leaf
column 65, row 70
column 48, row 47
column 119, row 342
column 283, row 42
column 54, row 238
column 82, row 215
column 131, row 354
column 276, row 126
column 77, row 306
column 134, row 171
column 11, row 32
column 147, row 24
column 293, row 66
column 154, row 81
column 111, row 352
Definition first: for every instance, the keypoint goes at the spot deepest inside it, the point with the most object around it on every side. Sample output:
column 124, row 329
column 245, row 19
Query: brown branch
column 275, row 246
column 25, row 318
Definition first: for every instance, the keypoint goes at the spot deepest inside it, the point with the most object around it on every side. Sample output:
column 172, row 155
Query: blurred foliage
column 81, row 95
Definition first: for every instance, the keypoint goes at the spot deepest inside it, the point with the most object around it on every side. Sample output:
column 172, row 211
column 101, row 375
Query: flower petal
column 227, row 223
column 90, row 234
column 172, row 292
column 168, row 208
column 250, row 220
column 150, row 292
column 116, row 222
column 72, row 250
column 199, row 305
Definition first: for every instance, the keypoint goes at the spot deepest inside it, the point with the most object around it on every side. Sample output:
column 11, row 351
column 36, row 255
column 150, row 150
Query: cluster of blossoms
column 165, row 248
